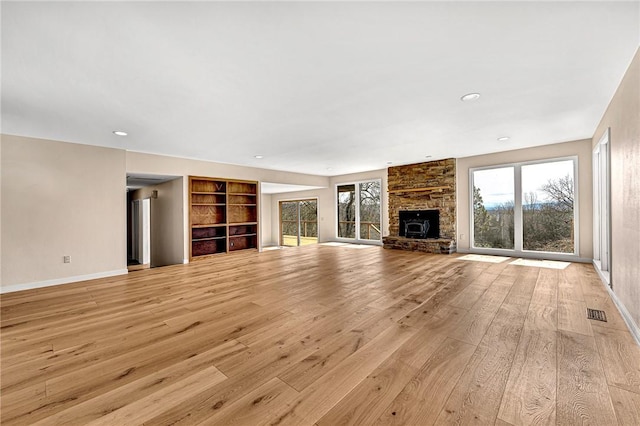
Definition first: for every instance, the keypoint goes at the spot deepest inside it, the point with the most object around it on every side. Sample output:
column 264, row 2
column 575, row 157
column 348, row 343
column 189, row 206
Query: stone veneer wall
column 440, row 176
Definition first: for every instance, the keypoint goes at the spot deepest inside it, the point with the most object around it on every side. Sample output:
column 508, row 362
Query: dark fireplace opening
column 420, row 223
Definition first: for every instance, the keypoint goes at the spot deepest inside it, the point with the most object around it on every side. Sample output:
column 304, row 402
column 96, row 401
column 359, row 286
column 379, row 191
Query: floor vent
column 594, row 314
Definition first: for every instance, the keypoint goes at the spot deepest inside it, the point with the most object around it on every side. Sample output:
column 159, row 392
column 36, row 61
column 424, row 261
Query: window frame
column 357, row 212
column 518, row 217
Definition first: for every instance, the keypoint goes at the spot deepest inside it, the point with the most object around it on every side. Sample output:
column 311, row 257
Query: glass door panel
column 289, row 223
column 547, row 207
column 308, row 222
column 347, row 211
column 493, row 208
column 370, row 225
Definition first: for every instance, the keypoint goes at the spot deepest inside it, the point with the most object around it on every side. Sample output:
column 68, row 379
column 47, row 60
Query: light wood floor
column 321, row 335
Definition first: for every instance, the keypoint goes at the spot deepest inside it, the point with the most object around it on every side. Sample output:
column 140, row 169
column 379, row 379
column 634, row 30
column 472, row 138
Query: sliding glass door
column 525, row 207
column 359, row 211
column 298, row 222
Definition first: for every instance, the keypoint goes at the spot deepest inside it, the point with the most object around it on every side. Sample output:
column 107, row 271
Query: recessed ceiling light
column 503, row 138
column 329, row 168
column 470, row 97
column 428, row 156
column 119, row 133
column 259, row 156
column 389, row 163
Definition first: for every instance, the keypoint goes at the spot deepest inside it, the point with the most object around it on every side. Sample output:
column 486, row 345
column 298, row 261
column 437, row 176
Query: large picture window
column 525, row 207
column 359, row 211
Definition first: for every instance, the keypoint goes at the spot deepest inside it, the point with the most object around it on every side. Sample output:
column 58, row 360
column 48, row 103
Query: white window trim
column 517, row 251
column 602, row 226
column 335, row 200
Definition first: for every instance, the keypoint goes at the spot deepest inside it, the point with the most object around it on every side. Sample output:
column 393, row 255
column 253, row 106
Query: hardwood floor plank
column 542, row 317
column 478, row 393
column 546, row 290
column 530, row 394
column 316, row 400
column 621, row 367
column 583, row 394
column 626, row 405
column 569, row 287
column 145, row 408
column 361, row 333
column 521, row 290
column 310, row 369
column 85, row 404
column 572, row 316
column 418, row 403
column 369, row 400
column 257, row 407
column 475, row 323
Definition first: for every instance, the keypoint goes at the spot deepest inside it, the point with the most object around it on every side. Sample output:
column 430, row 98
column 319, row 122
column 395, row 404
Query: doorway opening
column 155, row 221
column 298, row 222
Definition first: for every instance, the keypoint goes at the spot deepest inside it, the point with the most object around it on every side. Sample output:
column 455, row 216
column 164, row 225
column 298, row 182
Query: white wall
column 623, row 117
column 265, row 221
column 61, row 199
column 327, row 213
column 581, row 149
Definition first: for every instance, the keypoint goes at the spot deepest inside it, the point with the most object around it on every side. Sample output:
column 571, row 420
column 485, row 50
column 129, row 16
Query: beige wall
column 623, row 117
column 581, row 149
column 266, row 221
column 167, row 222
column 163, row 165
column 327, row 204
column 61, row 199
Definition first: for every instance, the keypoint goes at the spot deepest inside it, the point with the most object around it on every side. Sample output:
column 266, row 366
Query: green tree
column 481, row 219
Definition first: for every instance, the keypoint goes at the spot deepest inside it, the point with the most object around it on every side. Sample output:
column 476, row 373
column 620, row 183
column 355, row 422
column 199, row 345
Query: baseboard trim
column 626, row 316
column 59, row 281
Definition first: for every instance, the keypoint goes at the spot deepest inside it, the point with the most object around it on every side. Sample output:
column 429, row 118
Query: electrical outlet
column 66, row 259
column 461, row 237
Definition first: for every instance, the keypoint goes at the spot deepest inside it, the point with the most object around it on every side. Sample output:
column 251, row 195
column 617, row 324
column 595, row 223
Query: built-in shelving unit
column 223, row 216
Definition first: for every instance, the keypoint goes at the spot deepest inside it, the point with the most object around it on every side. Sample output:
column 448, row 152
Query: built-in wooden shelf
column 223, row 215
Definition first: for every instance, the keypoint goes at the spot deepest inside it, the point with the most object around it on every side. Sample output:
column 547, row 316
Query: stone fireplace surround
column 423, row 186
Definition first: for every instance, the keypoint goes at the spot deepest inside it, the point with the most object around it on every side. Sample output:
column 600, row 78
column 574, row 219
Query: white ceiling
column 323, row 88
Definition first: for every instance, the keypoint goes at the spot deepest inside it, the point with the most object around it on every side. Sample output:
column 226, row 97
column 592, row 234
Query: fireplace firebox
column 420, row 223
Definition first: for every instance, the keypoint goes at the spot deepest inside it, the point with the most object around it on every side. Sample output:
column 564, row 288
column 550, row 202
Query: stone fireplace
column 422, row 207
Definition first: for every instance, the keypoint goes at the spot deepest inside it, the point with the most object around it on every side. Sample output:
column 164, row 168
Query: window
column 525, row 207
column 493, row 202
column 359, row 211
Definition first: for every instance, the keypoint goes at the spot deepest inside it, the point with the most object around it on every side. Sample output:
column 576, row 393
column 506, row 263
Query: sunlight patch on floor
column 551, row 264
column 347, row 245
column 484, row 258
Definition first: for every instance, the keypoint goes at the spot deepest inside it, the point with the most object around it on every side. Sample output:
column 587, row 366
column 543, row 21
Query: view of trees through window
column 299, row 222
column 493, row 220
column 359, row 210
column 547, row 191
